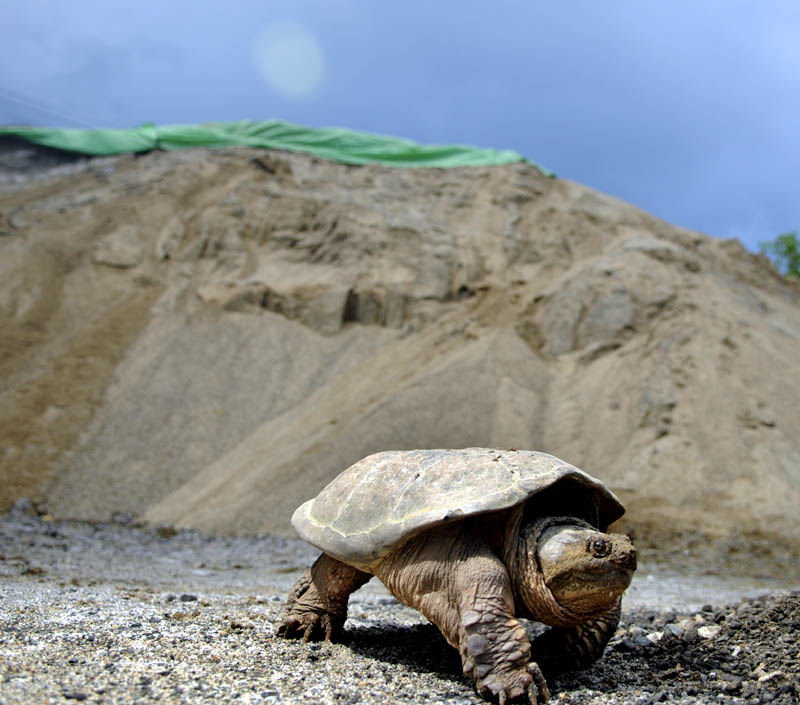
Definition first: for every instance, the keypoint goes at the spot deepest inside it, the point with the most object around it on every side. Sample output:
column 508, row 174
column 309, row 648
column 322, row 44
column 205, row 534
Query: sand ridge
column 207, row 337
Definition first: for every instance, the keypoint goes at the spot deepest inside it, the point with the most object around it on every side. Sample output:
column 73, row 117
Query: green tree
column 784, row 252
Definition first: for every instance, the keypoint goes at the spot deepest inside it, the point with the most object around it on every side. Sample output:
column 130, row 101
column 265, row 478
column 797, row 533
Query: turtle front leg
column 317, row 605
column 464, row 589
column 494, row 647
column 562, row 649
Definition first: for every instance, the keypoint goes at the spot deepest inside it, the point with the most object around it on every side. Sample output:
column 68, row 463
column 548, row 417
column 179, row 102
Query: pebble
column 709, row 632
column 674, row 631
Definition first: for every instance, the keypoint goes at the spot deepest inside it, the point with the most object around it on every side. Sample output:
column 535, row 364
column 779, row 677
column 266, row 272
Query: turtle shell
column 387, row 497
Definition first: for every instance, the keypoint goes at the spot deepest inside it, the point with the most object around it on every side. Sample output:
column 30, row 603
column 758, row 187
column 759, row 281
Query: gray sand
column 119, row 614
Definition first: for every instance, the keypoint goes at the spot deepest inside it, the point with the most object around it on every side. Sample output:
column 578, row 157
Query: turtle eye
column 599, row 547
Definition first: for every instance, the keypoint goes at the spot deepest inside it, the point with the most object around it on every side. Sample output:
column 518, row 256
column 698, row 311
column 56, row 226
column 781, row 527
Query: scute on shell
column 386, row 497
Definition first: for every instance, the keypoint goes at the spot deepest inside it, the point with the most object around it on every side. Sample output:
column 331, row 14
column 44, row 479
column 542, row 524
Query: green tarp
column 335, row 144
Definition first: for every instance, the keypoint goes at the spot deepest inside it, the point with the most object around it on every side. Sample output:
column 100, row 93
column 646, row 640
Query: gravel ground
column 113, row 613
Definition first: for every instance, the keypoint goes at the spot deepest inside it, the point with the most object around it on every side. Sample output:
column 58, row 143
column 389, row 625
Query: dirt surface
column 111, row 613
column 209, row 336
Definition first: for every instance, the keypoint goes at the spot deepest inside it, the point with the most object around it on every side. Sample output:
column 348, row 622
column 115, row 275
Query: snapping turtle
column 474, row 539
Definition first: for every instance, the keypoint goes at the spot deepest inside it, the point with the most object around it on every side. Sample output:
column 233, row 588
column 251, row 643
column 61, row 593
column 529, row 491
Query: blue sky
column 689, row 110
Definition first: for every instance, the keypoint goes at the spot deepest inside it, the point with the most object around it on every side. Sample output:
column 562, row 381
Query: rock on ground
column 111, row 613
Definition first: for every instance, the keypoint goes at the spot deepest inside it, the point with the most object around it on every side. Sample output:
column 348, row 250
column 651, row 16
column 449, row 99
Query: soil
column 210, row 336
column 115, row 613
column 195, row 342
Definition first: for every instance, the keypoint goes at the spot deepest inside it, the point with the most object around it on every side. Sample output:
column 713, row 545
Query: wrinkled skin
column 317, row 605
column 558, row 571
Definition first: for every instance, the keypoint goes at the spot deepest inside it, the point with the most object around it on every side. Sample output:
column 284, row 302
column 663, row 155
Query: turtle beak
column 620, row 551
column 613, row 551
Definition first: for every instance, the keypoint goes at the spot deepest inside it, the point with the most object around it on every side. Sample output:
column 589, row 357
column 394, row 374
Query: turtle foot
column 310, row 626
column 520, row 685
column 317, row 605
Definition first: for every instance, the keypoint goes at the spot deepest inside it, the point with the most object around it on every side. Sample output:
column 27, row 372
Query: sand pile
column 205, row 338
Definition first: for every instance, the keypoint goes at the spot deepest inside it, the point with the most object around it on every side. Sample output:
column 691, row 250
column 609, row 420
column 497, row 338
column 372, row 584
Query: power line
column 34, row 105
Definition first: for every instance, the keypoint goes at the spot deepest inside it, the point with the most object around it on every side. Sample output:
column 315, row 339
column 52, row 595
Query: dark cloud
column 687, row 111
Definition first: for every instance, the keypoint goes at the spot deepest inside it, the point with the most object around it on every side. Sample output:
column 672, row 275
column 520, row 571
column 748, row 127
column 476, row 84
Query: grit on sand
column 118, row 614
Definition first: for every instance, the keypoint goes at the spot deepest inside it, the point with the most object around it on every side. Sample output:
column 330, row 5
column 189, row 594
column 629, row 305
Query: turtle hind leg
column 317, row 605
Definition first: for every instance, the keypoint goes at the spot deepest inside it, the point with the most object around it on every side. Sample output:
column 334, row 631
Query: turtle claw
column 516, row 686
column 308, row 633
column 533, row 694
column 309, row 626
column 538, row 688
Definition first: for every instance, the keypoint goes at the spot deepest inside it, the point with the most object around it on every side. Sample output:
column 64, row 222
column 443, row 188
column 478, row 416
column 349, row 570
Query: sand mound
column 205, row 338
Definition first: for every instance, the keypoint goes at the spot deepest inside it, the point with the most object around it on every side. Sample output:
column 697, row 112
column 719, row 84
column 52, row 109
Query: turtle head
column 572, row 572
